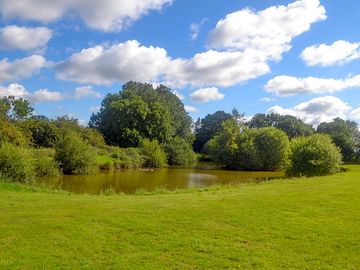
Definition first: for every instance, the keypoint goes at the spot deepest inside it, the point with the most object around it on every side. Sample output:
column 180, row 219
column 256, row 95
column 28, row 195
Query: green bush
column 272, row 148
column 16, row 164
column 153, row 153
column 314, row 156
column 46, row 167
column 180, row 152
column 128, row 158
column 74, row 156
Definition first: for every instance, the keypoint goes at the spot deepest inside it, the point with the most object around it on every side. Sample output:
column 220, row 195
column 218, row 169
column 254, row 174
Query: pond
column 130, row 181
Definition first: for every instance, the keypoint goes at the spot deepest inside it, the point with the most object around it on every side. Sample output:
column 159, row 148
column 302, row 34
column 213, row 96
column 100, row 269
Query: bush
column 16, row 164
column 313, row 156
column 272, row 148
column 180, row 152
column 9, row 132
column 74, row 156
column 128, row 158
column 153, row 153
column 46, row 167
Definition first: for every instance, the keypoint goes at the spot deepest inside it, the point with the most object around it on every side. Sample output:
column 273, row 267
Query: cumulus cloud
column 20, row 68
column 95, row 109
column 270, row 31
column 317, row 110
column 105, row 15
column 205, row 95
column 289, row 86
column 267, row 100
column 86, row 92
column 19, row 91
column 13, row 37
column 122, row 62
column 338, row 53
column 190, row 109
column 45, row 95
column 119, row 63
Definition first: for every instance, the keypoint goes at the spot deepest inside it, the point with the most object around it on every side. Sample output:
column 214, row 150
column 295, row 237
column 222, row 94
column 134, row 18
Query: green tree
column 153, row 153
column 179, row 152
column 291, row 125
column 346, row 135
column 313, row 155
column 207, row 127
column 139, row 111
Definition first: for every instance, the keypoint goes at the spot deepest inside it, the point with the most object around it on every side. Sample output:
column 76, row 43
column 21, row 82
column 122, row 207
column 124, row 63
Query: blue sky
column 290, row 57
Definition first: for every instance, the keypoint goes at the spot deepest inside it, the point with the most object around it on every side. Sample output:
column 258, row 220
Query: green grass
column 287, row 224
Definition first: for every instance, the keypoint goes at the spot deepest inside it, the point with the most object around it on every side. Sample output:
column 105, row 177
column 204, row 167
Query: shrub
column 9, row 132
column 153, row 153
column 128, row 158
column 46, row 167
column 313, row 156
column 272, row 148
column 104, row 162
column 16, row 164
column 180, row 152
column 73, row 155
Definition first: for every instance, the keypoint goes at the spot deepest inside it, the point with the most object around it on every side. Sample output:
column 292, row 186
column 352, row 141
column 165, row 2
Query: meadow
column 308, row 223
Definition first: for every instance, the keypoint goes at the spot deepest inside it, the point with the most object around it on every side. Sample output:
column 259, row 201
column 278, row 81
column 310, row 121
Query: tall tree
column 207, row 127
column 346, row 135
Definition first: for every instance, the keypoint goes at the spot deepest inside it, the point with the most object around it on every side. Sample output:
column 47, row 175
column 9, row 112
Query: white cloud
column 205, row 95
column 267, row 100
column 13, row 37
column 338, row 53
column 316, row 111
column 20, row 68
column 86, row 92
column 289, row 86
column 105, row 15
column 269, row 31
column 195, row 28
column 19, row 91
column 190, row 109
column 119, row 63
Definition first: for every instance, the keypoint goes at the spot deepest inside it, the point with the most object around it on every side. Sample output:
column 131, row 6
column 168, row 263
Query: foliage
column 245, row 149
column 346, row 135
column 291, row 125
column 15, row 108
column 207, row 127
column 272, row 148
column 46, row 167
column 93, row 137
column 179, row 152
column 74, row 155
column 42, row 131
column 140, row 111
column 10, row 132
column 313, row 156
column 16, row 163
column 128, row 158
column 153, row 153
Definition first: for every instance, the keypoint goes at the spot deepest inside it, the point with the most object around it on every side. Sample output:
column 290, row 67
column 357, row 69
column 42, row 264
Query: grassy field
column 288, row 224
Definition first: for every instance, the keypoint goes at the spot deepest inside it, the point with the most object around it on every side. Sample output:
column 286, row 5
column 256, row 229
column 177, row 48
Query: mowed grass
column 287, row 224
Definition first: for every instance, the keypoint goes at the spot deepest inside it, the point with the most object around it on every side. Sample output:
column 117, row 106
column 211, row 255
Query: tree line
column 143, row 126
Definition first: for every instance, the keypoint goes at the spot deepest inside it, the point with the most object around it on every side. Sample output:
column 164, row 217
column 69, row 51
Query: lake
column 130, row 181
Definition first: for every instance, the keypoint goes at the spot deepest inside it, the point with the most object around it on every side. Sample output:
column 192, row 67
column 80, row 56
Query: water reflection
column 129, row 181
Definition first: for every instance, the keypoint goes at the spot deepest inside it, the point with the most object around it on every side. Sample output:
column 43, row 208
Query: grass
column 287, row 224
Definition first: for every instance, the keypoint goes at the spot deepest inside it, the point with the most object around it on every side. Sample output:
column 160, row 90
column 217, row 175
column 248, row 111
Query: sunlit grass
column 284, row 224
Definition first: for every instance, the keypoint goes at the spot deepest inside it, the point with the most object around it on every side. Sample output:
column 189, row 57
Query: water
column 130, row 181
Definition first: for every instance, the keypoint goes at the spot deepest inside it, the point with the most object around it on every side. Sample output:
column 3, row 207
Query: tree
column 291, row 125
column 313, row 155
column 345, row 135
column 207, row 127
column 153, row 153
column 179, row 152
column 15, row 108
column 139, row 111
column 42, row 131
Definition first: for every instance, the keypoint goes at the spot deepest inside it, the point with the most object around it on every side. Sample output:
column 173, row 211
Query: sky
column 289, row 57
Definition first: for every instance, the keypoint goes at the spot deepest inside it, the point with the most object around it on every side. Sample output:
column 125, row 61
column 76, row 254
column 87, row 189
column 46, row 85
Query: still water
column 130, row 181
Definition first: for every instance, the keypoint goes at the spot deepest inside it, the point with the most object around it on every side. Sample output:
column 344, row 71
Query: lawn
column 287, row 224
